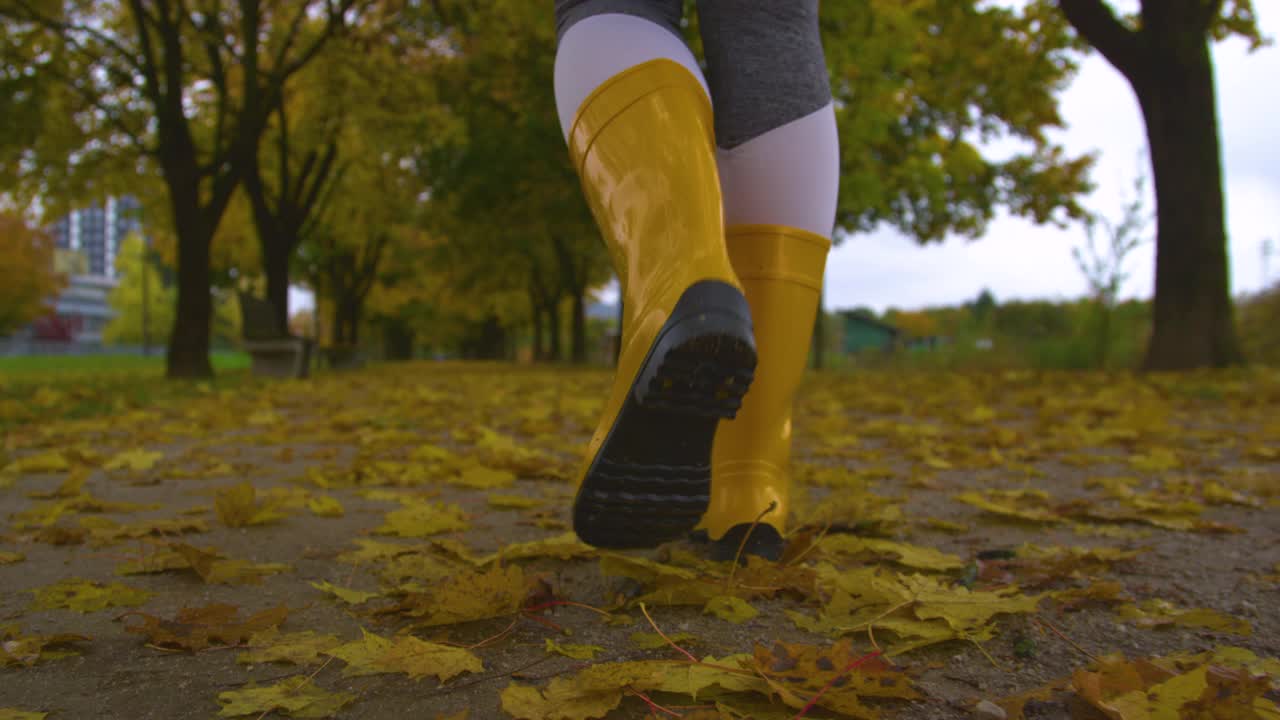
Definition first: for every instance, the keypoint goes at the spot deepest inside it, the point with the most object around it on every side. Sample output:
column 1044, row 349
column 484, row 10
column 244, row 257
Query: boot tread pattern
column 651, row 480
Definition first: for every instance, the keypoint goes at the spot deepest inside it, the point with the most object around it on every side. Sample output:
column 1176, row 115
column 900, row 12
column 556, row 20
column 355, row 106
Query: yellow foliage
column 730, row 608
column 577, row 652
column 18, row 650
column 84, row 596
column 374, row 654
column 422, row 519
column 301, row 648
column 237, row 506
column 296, row 697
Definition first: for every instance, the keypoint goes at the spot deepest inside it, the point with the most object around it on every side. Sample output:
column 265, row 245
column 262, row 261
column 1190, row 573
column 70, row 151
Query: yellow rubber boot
column 781, row 271
column 643, row 145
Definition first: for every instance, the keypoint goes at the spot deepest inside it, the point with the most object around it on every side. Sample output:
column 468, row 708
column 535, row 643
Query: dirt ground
column 1184, row 471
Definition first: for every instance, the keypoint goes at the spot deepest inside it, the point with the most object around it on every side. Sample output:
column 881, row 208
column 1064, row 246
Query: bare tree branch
column 1098, row 24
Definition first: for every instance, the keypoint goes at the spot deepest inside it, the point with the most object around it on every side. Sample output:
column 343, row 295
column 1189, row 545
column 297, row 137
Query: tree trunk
column 188, row 353
column 553, row 317
column 579, row 340
column 538, row 349
column 397, row 340
column 1193, row 324
column 338, row 328
column 352, row 318
column 275, row 261
column 346, row 321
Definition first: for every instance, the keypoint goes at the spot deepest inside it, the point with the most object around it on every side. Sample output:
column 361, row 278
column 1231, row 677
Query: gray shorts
column 764, row 61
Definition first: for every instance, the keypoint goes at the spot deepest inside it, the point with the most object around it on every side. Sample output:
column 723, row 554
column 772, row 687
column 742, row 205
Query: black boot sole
column 650, row 481
column 764, row 541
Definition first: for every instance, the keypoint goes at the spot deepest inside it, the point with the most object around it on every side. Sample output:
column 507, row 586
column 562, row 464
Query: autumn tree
column 28, row 282
column 1163, row 52
column 289, row 178
column 372, row 209
column 184, row 91
column 502, row 187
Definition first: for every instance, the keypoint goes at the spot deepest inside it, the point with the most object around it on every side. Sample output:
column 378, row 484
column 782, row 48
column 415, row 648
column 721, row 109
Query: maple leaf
column 374, row 654
column 301, row 648
column 1161, row 613
column 325, row 506
column 10, row 558
column 215, row 569
column 346, row 595
column 562, row 547
column 1161, row 687
column 50, row 461
column 105, row 531
column 85, row 596
column 859, row 511
column 26, row 650
column 591, row 693
column 422, row 519
column 577, row 652
column 1028, row 505
column 297, row 697
column 799, row 673
column 199, row 628
column 480, row 477
column 45, row 514
column 237, row 506
column 134, row 460
column 914, row 556
column 653, row 641
column 467, row 596
column 917, row 609
column 374, row 551
column 733, row 609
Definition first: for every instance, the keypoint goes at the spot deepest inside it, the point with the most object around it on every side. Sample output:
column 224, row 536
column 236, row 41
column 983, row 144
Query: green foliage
column 144, row 300
column 921, row 86
column 508, row 153
column 1259, row 318
column 1036, row 334
column 143, row 303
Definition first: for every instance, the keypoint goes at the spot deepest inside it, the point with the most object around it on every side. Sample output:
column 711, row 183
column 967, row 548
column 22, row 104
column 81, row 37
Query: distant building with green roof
column 862, row 333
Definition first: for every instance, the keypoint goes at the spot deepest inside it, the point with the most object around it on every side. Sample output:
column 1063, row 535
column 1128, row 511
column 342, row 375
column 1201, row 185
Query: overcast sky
column 1016, row 259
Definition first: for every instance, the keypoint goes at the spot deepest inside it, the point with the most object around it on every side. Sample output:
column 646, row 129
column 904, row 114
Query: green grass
column 20, row 365
column 40, row 389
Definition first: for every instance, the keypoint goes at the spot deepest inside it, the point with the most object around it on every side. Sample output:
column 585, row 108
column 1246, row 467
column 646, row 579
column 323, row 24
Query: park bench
column 274, row 351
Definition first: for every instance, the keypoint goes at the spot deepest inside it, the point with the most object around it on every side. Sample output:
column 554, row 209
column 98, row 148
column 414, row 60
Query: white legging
column 778, row 165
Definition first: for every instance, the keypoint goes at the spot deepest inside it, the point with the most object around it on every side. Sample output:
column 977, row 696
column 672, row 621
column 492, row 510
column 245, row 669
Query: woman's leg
column 638, row 123
column 600, row 38
column 779, row 169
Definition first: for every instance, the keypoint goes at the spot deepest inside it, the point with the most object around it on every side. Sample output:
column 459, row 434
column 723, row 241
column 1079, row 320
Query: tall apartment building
column 82, row 310
column 98, row 231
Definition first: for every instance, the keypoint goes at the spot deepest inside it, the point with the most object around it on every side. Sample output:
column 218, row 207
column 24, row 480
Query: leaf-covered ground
column 393, row 543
